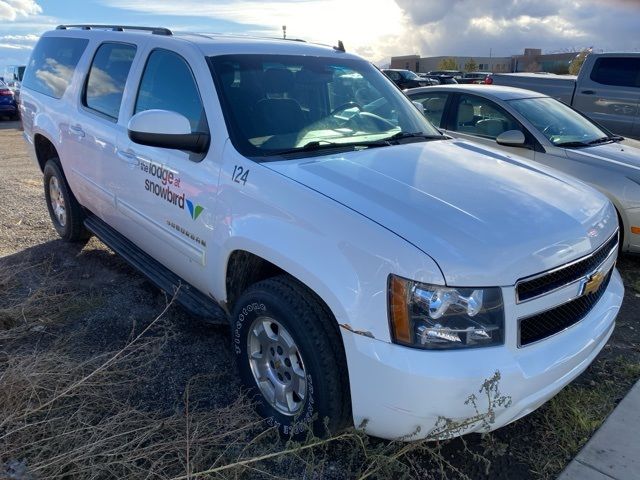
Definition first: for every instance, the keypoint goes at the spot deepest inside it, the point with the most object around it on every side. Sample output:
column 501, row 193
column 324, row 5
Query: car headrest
column 465, row 113
column 278, row 80
column 435, row 104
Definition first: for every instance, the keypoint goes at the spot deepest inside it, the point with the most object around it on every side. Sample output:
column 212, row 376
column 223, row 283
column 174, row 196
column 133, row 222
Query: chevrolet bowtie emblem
column 592, row 283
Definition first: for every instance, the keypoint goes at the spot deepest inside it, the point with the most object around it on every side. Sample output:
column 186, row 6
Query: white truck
column 373, row 271
column 607, row 89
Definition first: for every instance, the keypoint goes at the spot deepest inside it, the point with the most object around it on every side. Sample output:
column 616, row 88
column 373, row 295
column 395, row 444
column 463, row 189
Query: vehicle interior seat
column 492, row 123
column 240, row 95
column 276, row 112
column 491, row 127
column 466, row 117
column 433, row 109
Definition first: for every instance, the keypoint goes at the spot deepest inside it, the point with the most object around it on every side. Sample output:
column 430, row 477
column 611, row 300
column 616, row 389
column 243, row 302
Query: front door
column 167, row 196
column 480, row 120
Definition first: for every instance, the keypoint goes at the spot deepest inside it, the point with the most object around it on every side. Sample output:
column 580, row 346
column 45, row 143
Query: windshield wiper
column 317, row 145
column 402, row 135
column 601, row 140
column 571, row 144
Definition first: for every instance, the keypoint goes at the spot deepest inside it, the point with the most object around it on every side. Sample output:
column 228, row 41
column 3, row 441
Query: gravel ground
column 118, row 301
column 93, row 271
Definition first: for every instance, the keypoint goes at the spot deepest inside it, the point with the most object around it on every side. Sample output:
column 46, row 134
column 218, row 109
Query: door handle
column 76, row 130
column 128, row 157
column 588, row 92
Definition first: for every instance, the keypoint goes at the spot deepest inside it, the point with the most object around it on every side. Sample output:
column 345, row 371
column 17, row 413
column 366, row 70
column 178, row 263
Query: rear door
column 95, row 126
column 610, row 95
column 481, row 120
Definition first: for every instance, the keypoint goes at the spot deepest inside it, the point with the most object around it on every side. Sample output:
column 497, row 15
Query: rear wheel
column 290, row 357
column 65, row 211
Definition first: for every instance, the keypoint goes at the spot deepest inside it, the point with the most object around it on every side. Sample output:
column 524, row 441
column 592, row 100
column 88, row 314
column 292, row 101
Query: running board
column 188, row 296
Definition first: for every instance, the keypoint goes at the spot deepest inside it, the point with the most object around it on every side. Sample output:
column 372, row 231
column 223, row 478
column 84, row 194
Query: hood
column 485, row 219
column 623, row 156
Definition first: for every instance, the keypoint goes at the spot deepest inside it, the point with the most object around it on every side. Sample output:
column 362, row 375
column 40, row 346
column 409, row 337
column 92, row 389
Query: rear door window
column 433, row 104
column 619, row 71
column 107, row 78
column 52, row 65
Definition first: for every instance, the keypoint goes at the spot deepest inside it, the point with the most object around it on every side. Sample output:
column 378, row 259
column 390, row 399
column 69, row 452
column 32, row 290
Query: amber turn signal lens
column 635, row 230
column 398, row 309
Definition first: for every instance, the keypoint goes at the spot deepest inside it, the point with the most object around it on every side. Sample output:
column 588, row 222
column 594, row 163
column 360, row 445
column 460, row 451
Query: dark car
column 457, row 74
column 474, row 77
column 8, row 104
column 406, row 78
column 443, row 79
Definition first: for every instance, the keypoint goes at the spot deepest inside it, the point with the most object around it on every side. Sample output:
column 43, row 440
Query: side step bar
column 189, row 297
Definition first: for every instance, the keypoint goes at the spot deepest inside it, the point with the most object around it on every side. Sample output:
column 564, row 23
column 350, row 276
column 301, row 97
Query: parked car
column 444, row 79
column 607, row 90
column 8, row 105
column 373, row 271
column 474, row 77
column 547, row 131
column 406, row 78
column 457, row 74
column 431, row 81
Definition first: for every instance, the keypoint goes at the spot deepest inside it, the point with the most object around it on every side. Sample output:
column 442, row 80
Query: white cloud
column 360, row 24
column 12, row 9
column 467, row 27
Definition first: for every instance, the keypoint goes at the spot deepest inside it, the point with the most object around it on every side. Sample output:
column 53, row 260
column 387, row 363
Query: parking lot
column 81, row 303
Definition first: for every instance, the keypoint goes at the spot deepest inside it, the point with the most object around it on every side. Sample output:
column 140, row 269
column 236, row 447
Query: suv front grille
column 555, row 320
column 541, row 284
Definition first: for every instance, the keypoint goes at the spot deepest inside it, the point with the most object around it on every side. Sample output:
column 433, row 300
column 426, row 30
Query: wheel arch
column 44, row 149
column 244, row 268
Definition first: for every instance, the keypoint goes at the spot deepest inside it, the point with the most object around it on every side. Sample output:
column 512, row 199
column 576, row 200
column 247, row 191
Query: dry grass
column 62, row 416
column 35, row 294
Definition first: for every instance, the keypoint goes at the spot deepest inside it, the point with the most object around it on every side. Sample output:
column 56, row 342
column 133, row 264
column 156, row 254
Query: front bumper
column 402, row 393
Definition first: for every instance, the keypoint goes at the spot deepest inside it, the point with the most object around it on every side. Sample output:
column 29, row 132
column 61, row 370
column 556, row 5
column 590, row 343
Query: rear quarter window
column 619, row 71
column 52, row 65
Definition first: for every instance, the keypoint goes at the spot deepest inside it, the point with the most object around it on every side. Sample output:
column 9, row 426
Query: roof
column 208, row 43
column 490, row 91
column 537, row 75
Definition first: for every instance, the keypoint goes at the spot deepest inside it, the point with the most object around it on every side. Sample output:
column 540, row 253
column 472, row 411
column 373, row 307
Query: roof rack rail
column 119, row 28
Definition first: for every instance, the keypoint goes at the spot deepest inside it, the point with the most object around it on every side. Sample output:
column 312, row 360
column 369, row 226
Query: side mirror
column 419, row 106
column 165, row 129
column 511, row 138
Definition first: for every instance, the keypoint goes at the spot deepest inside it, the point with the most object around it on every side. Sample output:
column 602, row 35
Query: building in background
column 533, row 60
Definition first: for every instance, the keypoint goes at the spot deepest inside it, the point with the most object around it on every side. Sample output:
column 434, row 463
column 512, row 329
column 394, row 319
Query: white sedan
column 547, row 131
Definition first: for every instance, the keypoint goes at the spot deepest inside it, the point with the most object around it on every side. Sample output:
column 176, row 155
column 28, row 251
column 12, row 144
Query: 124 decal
column 240, row 175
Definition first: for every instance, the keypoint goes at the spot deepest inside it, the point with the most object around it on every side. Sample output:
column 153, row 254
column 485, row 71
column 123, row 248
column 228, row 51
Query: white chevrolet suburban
column 374, row 272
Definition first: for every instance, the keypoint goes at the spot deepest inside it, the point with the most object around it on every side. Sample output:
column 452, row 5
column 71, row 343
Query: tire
column 65, row 211
column 287, row 312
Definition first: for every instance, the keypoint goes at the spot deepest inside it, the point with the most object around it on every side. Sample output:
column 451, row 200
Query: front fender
column 342, row 256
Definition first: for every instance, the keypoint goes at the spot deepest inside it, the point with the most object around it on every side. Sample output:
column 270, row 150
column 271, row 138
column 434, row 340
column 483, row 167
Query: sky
column 375, row 29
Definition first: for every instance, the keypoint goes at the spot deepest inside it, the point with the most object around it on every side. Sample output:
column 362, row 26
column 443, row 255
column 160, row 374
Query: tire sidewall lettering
column 288, row 425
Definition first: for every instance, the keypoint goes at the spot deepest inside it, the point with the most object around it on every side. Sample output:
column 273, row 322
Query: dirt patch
column 169, row 405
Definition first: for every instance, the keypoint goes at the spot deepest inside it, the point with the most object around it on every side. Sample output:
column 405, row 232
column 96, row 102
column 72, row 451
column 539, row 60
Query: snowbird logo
column 194, row 210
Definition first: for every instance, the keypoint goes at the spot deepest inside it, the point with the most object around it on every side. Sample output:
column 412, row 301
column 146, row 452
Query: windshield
column 276, row 104
column 560, row 124
column 409, row 75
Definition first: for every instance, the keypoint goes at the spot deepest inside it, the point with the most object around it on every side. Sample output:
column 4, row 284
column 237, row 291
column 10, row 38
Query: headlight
column 437, row 317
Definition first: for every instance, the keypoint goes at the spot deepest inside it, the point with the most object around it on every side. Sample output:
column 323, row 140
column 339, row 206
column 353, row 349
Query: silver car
column 542, row 129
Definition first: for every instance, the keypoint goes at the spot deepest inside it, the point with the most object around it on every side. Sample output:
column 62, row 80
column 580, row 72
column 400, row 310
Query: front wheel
column 290, row 357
